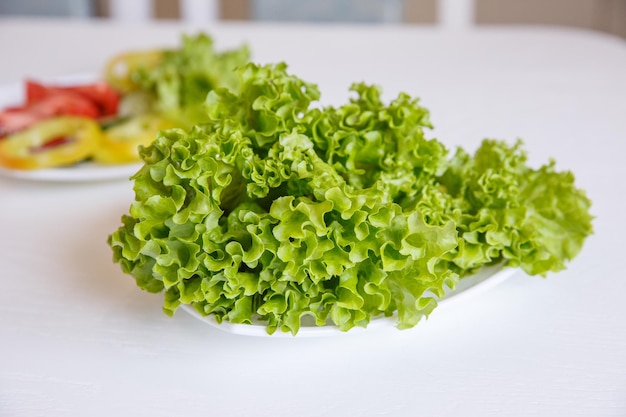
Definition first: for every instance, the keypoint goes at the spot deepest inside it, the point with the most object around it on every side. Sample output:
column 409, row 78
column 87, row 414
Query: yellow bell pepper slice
column 119, row 70
column 120, row 143
column 53, row 142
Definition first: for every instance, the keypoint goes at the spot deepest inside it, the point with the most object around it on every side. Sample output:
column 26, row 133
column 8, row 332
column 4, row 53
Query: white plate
column 468, row 286
column 83, row 172
column 13, row 94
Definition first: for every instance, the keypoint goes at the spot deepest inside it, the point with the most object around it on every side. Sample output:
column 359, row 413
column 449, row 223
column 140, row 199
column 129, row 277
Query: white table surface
column 78, row 338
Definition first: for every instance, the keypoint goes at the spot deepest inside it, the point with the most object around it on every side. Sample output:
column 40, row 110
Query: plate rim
column 85, row 172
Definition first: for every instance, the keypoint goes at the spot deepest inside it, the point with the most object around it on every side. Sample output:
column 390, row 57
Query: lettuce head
column 275, row 209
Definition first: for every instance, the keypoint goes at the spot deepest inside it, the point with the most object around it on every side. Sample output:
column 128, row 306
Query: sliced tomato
column 103, row 96
column 13, row 120
column 53, row 142
column 62, row 103
column 36, row 91
column 65, row 103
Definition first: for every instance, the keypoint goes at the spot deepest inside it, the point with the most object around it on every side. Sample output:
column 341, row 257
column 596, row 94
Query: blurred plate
column 83, row 172
column 13, row 94
column 469, row 286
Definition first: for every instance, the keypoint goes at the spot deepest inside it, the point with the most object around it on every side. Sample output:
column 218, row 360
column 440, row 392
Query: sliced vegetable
column 15, row 119
column 121, row 71
column 62, row 103
column 53, row 142
column 99, row 93
column 120, row 143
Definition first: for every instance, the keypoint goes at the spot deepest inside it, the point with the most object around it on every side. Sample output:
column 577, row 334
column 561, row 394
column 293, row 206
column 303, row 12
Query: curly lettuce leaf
column 535, row 219
column 274, row 211
column 184, row 76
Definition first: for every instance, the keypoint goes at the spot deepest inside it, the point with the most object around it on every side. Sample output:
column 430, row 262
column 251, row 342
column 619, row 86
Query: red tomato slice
column 94, row 100
column 14, row 120
column 99, row 93
column 36, row 91
column 62, row 103
column 102, row 94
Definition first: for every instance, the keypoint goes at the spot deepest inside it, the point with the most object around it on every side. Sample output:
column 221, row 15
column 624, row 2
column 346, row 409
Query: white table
column 78, row 338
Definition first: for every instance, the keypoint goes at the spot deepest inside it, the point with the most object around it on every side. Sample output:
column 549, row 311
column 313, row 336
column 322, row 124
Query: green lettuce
column 273, row 210
column 179, row 83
